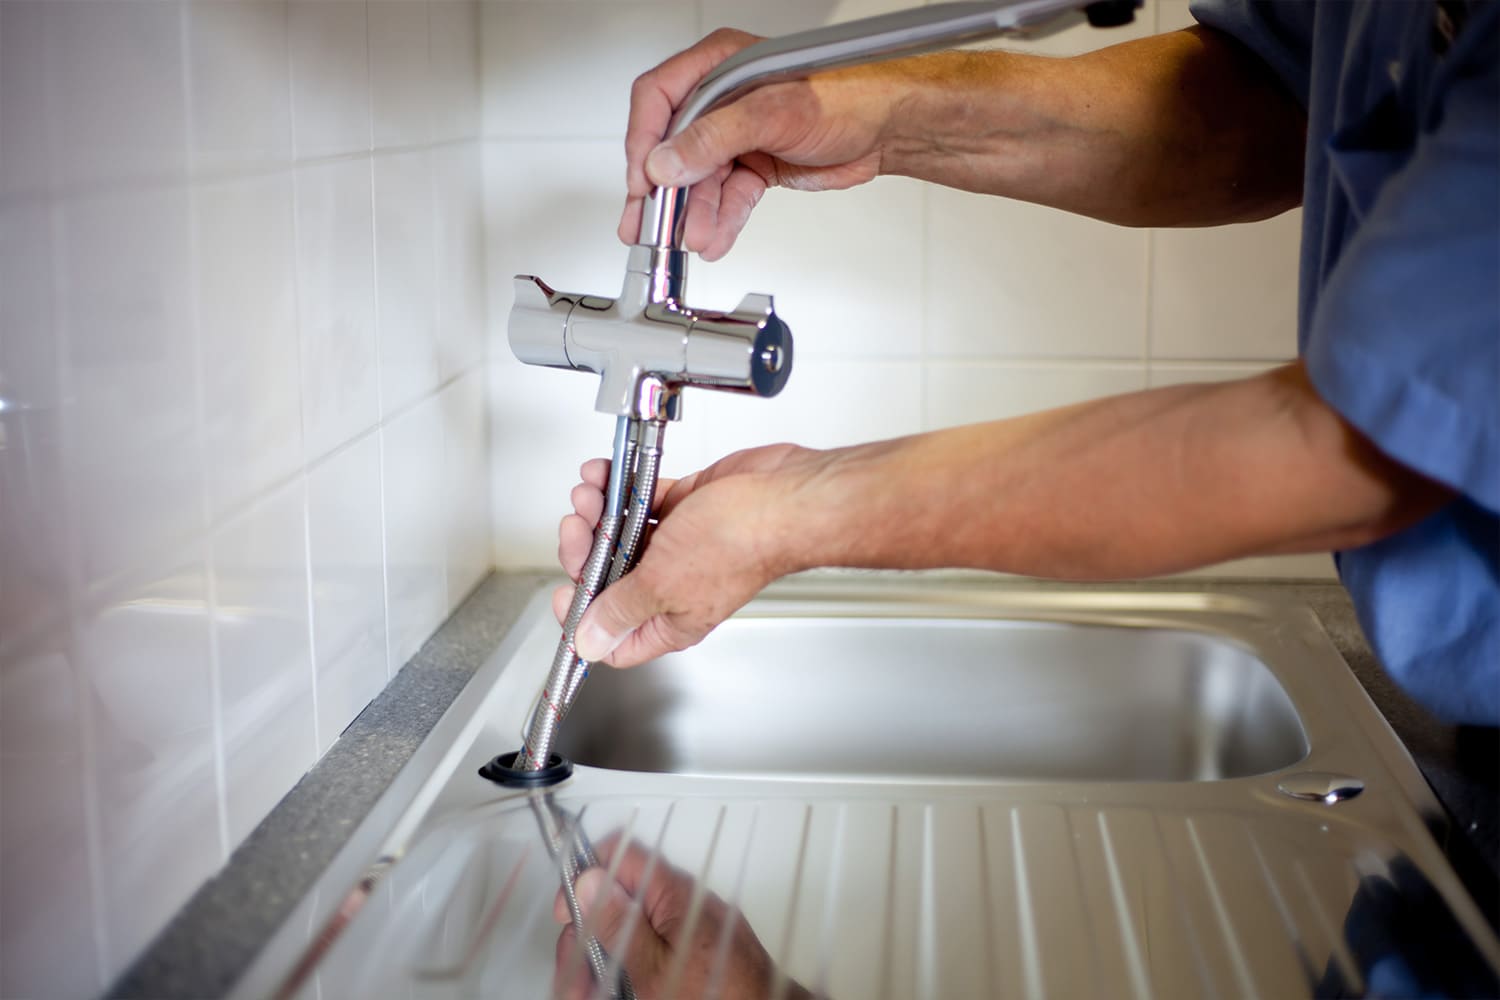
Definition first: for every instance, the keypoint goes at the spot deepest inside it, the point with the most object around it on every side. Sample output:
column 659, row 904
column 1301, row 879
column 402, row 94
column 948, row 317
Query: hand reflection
column 645, row 918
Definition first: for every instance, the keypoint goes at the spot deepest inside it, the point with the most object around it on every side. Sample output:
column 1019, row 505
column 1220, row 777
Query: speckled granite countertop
column 211, row 942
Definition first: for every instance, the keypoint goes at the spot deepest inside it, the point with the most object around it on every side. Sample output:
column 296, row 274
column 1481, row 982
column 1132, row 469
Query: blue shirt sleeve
column 1405, row 338
column 1280, row 34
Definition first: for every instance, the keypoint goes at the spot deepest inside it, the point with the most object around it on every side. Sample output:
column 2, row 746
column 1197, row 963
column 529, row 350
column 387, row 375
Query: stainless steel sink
column 921, row 787
column 907, row 697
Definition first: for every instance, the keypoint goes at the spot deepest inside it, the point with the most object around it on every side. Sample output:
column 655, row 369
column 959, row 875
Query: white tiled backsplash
column 243, row 437
column 261, row 432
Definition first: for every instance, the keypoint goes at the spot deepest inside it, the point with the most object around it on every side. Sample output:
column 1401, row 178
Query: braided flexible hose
column 617, row 541
column 541, row 729
column 573, row 853
column 642, row 499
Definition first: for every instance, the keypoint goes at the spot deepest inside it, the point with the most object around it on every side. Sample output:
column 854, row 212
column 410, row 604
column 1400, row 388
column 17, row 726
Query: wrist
column 800, row 514
column 817, row 507
column 945, row 111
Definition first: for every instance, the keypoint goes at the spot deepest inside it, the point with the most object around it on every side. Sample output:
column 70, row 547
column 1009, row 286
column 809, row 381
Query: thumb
column 704, row 146
column 622, row 608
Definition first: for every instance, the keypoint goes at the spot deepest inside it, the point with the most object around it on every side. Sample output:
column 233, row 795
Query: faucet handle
column 539, row 323
column 748, row 348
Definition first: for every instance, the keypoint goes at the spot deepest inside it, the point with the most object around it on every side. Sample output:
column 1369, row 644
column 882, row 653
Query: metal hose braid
column 550, row 708
column 642, row 498
column 573, row 853
column 541, row 730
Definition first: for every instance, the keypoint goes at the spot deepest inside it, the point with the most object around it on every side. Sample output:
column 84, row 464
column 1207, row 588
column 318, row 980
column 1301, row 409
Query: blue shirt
column 1399, row 307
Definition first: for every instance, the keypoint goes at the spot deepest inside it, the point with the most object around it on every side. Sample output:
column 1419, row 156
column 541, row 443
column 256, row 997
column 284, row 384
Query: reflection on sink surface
column 895, row 698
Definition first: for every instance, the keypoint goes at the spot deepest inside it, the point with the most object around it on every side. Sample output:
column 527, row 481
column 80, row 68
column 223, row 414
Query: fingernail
column 594, row 643
column 664, row 165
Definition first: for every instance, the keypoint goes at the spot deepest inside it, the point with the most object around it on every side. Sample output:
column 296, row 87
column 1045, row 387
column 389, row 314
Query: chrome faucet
column 648, row 344
column 648, row 332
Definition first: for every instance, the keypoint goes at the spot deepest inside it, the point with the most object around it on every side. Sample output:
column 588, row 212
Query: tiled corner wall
column 914, row 307
column 243, row 444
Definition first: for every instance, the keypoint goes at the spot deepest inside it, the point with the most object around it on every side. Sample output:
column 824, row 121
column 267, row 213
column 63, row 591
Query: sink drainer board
column 934, row 790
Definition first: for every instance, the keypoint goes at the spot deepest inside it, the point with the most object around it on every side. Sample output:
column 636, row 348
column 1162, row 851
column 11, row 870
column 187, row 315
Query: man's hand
column 717, row 544
column 817, row 134
column 645, row 920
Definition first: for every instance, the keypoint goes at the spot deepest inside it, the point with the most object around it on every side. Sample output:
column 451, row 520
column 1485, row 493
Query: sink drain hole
column 502, row 771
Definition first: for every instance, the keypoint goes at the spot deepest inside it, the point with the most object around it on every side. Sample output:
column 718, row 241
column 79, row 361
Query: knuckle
column 729, row 36
column 704, row 136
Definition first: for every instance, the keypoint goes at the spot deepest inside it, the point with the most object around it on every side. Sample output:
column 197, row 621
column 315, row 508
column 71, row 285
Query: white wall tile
column 1178, row 372
column 1007, row 279
column 247, row 312
column 266, row 706
column 163, row 334
column 1228, row 292
column 335, row 278
column 405, row 277
column 34, row 543
column 144, row 656
column 465, row 470
column 781, row 17
column 348, row 584
column 238, row 61
column 135, row 464
column 546, row 74
column 116, row 75
column 1173, row 14
column 458, row 242
column 551, row 209
column 966, row 393
column 48, row 947
column 415, row 535
column 845, row 268
column 400, row 80
column 455, row 41
column 542, row 428
column 330, row 78
column 26, row 122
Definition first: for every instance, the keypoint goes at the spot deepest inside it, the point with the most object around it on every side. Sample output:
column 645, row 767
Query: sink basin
column 925, row 698
column 926, row 788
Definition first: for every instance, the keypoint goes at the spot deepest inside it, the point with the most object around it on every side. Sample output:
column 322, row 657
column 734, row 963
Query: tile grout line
column 298, row 294
column 380, row 442
column 207, row 562
column 77, row 590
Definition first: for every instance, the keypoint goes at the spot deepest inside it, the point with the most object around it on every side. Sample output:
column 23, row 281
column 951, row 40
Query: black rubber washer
column 502, row 771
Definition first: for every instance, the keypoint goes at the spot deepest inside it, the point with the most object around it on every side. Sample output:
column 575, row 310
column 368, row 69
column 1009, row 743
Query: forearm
column 1137, row 485
column 1184, row 128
